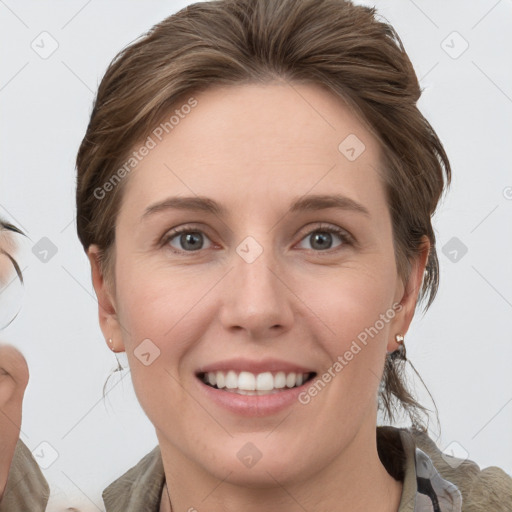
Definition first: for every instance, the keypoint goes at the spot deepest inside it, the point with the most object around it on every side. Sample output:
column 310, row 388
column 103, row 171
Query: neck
column 356, row 480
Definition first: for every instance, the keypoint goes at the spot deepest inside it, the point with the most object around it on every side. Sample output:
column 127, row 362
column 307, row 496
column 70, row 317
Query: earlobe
column 411, row 290
column 107, row 313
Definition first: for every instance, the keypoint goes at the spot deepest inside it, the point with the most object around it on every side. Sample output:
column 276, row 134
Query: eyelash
column 345, row 237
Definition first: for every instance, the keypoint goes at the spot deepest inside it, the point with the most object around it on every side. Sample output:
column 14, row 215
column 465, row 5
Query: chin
column 255, row 462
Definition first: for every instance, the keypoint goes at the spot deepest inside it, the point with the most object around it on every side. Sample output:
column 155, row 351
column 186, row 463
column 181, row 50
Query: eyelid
column 330, row 228
column 178, row 230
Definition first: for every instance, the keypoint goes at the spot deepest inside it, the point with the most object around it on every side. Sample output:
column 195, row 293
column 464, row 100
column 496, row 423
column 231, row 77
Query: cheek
column 352, row 300
column 152, row 300
column 357, row 314
column 360, row 305
column 159, row 327
column 163, row 319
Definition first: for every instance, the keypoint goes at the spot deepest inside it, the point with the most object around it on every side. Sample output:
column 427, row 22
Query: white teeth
column 247, row 383
column 231, row 380
column 290, row 380
column 264, row 382
column 221, row 380
column 280, row 380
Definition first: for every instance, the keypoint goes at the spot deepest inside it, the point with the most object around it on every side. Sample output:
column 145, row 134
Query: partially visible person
column 13, row 367
column 14, row 377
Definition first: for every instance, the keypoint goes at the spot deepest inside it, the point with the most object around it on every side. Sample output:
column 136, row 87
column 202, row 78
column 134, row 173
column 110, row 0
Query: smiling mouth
column 247, row 383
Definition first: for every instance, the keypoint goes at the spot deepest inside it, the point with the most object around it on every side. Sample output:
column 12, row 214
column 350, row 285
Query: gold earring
column 399, row 339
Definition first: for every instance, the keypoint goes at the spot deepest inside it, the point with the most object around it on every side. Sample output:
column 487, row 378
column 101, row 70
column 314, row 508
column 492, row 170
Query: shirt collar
column 424, row 490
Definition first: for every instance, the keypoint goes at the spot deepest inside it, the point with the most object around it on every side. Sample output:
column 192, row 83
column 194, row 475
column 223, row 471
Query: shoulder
column 26, row 488
column 482, row 490
column 139, row 488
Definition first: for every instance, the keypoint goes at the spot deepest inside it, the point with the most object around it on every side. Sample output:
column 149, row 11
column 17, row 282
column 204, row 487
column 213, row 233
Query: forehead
column 268, row 140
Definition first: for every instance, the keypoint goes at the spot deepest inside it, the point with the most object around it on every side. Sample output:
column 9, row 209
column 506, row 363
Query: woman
column 282, row 140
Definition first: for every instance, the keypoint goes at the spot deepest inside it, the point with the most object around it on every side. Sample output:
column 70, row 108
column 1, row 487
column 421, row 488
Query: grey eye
column 321, row 239
column 188, row 241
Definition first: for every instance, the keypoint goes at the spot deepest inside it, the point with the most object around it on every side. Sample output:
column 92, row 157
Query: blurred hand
column 13, row 382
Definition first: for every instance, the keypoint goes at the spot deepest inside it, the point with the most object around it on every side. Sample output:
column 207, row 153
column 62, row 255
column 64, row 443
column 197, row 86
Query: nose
column 256, row 296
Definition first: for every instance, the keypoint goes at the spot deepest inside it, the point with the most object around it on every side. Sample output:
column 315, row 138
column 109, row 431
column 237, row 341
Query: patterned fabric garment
column 434, row 494
column 432, row 481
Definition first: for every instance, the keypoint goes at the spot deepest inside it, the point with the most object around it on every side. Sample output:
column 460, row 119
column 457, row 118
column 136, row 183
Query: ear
column 408, row 294
column 107, row 312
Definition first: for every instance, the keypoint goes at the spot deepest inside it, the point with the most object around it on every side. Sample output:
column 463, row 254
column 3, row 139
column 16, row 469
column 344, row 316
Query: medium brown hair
column 332, row 43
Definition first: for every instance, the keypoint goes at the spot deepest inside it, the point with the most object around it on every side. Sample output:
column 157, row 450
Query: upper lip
column 256, row 367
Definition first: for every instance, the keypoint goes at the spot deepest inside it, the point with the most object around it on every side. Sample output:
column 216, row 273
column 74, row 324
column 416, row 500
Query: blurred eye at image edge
column 12, row 246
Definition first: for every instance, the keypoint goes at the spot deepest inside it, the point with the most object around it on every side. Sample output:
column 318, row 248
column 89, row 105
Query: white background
column 461, row 347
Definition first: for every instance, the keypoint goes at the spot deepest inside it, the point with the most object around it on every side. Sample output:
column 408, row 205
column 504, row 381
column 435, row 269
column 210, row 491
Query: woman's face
column 258, row 175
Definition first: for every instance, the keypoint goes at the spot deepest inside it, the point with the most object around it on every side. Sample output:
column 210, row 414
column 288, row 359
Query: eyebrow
column 302, row 204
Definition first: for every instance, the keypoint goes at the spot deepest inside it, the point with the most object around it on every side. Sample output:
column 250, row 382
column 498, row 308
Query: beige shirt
column 432, row 481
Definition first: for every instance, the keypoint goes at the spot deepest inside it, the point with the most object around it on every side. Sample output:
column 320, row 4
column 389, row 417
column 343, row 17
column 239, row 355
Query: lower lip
column 253, row 405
